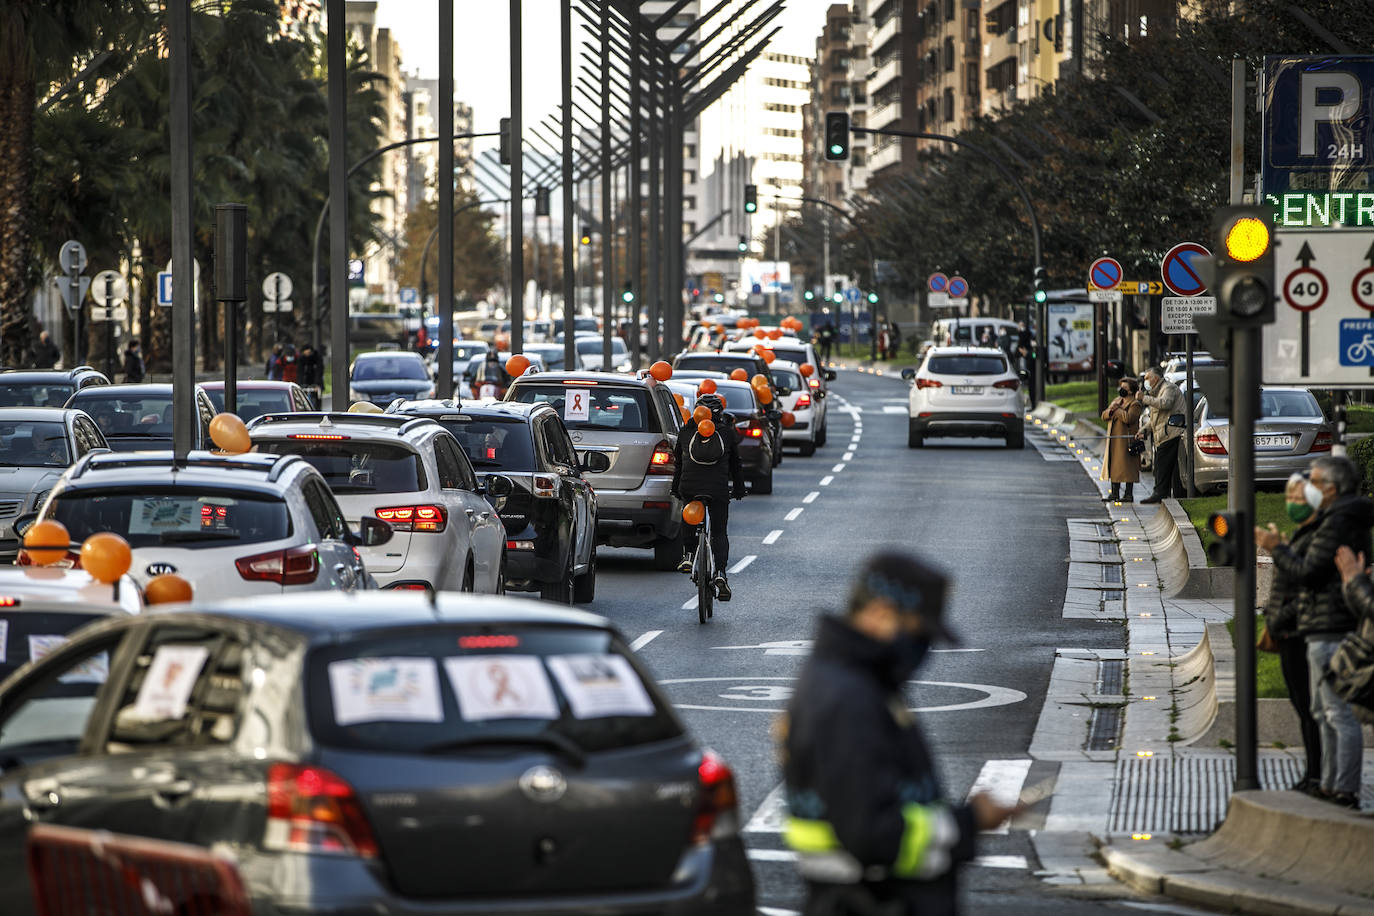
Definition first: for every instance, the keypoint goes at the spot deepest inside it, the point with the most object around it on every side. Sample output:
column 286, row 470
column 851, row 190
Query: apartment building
column 422, row 120
column 838, row 83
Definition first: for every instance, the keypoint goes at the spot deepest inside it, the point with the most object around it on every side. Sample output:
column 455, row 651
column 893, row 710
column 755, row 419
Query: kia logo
column 160, row 569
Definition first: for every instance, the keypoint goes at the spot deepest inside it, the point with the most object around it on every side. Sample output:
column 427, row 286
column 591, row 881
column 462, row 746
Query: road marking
column 792, row 516
column 774, row 911
column 690, row 605
column 772, row 855
column 803, row 647
column 825, row 481
column 644, row 640
column 1001, row 779
column 848, row 456
column 769, row 815
column 810, row 498
column 787, row 855
column 837, row 468
column 750, row 689
column 742, row 564
column 1001, row 861
column 893, row 408
column 772, row 536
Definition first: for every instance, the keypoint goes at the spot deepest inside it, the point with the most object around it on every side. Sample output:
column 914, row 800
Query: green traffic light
column 836, row 149
column 627, row 296
column 838, row 298
column 1041, row 295
column 873, row 297
column 720, row 297
column 750, row 208
column 808, row 295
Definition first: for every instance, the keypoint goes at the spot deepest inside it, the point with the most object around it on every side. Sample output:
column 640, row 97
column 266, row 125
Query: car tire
column 820, row 436
column 808, row 449
column 1016, row 439
column 668, row 553
column 584, row 586
column 764, row 485
column 559, row 591
column 913, row 438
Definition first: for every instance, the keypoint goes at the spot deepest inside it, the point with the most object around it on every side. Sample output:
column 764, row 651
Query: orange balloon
column 106, row 556
column 517, row 364
column 754, row 322
column 706, row 429
column 679, row 398
column 701, row 413
column 768, row 355
column 168, row 588
column 759, row 381
column 738, row 375
column 46, row 542
column 661, row 371
column 760, row 333
column 707, row 386
column 789, row 419
column 764, row 395
column 719, row 329
column 775, row 334
column 229, row 434
column 693, row 512
column 742, row 323
column 686, row 417
column 807, row 370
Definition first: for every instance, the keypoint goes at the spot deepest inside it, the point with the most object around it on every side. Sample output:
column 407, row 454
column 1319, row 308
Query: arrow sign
column 1180, row 274
column 1105, row 273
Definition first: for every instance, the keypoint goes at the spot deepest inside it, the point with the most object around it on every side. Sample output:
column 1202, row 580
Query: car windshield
column 713, row 362
column 128, row 416
column 355, row 467
column 34, row 394
column 254, row 403
column 791, row 354
column 1278, row 405
column 599, row 407
column 444, row 689
column 585, row 324
column 966, row 365
column 493, row 443
column 552, row 356
column 389, row 367
column 34, row 444
column 151, row 516
column 30, row 634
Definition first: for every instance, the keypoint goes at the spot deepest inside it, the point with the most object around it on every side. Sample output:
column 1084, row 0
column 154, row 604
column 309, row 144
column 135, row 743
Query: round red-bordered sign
column 1178, row 272
column 1105, row 273
column 1364, row 300
column 1311, row 297
column 937, row 282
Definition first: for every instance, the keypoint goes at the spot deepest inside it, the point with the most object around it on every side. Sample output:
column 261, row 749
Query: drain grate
column 1111, row 674
column 1109, row 550
column 1186, row 794
column 1105, row 530
column 1110, row 595
column 1112, row 575
column 1105, row 727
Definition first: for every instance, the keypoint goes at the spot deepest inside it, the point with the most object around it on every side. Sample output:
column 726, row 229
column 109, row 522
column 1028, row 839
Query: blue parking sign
column 1357, row 342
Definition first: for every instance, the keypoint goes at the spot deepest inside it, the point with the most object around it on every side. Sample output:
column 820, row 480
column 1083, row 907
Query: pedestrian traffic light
column 1223, row 527
column 541, row 201
column 872, row 298
column 743, row 244
column 751, row 198
column 1243, row 266
column 1038, row 286
column 585, row 237
column 836, row 135
column 503, row 148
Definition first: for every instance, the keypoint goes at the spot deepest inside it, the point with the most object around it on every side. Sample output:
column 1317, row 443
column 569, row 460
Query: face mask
column 907, row 654
column 1299, row 512
column 1313, row 494
column 1146, row 385
column 1123, row 391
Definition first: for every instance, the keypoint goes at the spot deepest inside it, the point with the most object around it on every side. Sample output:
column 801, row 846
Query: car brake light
column 333, row 437
column 295, row 566
column 717, row 814
column 414, row 518
column 815, row 382
column 662, row 461
column 1010, row 384
column 803, row 402
column 519, row 545
column 928, row 383
column 545, row 485
column 9, row 602
column 1322, row 443
column 1210, row 444
column 309, row 809
column 488, row 642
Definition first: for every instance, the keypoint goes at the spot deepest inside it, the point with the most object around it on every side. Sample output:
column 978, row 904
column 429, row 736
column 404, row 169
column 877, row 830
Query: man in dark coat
column 709, row 466
column 868, row 817
column 134, row 368
column 45, row 352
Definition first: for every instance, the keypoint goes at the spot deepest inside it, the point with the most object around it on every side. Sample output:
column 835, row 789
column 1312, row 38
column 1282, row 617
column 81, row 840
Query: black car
column 372, row 753
column 138, row 418
column 752, row 365
column 751, row 425
column 46, row 387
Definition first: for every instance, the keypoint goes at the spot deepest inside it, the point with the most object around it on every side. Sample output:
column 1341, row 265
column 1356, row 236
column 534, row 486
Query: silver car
column 1290, row 432
column 36, row 445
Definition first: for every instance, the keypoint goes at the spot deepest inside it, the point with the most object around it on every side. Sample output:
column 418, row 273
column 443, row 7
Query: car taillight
column 751, row 428
column 71, row 561
column 928, row 383
column 414, row 518
column 1010, row 384
column 803, row 402
column 545, row 485
column 296, row 566
column 662, row 460
column 815, row 383
column 1322, row 443
column 310, row 809
column 1210, row 444
column 717, row 814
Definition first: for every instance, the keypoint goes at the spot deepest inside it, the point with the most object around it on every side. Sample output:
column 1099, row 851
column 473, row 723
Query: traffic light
column 751, row 198
column 541, row 201
column 1038, row 286
column 808, row 295
column 872, row 298
column 503, row 149
column 719, row 297
column 838, row 298
column 585, row 237
column 1223, row 526
column 836, row 135
column 1243, row 266
column 743, row 244
column 628, row 296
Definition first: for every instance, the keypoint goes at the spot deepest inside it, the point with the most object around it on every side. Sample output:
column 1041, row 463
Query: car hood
column 22, row 481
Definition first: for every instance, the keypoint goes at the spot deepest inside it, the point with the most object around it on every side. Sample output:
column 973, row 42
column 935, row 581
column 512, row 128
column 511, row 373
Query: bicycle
column 1360, row 351
column 703, row 563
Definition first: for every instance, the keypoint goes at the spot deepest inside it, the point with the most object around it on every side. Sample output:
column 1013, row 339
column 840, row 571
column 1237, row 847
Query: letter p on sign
column 1324, row 96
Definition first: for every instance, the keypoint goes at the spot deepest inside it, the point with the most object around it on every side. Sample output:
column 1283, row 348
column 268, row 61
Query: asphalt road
column 993, row 517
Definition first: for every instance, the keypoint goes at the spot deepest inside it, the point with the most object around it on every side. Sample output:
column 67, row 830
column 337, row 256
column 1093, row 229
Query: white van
column 954, row 332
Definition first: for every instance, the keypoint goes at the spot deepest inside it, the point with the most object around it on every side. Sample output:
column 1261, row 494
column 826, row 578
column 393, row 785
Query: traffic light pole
column 1245, row 385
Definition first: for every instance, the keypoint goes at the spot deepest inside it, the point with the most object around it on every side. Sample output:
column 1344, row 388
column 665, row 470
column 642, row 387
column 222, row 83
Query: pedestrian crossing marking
column 1002, row 780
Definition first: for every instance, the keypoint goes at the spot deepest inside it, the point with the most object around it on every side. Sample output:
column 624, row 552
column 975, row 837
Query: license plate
column 967, row 389
column 1273, row 442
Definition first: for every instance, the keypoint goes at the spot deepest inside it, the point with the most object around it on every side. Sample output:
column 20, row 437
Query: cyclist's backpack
column 706, row 451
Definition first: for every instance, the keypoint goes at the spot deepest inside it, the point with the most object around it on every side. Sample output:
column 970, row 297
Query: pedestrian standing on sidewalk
column 45, row 352
column 826, row 336
column 134, row 368
column 894, row 340
column 1123, row 422
column 1354, row 679
column 1286, row 597
column 1164, row 400
column 273, row 368
column 1342, row 518
column 868, row 818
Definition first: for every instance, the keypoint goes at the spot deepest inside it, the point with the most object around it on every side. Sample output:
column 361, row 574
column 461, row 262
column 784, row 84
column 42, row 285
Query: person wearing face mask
column 1341, row 518
column 1164, row 400
column 867, row 816
column 1123, row 422
column 707, row 466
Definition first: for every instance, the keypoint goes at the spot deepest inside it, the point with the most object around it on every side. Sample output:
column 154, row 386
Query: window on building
column 949, row 54
column 689, row 203
column 859, row 156
column 949, row 10
column 689, row 177
column 949, row 105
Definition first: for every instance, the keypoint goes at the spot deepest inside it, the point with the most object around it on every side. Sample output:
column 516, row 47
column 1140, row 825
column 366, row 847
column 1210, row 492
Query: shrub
column 1361, row 451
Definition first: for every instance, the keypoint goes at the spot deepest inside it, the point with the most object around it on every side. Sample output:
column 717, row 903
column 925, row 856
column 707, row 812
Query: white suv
column 412, row 474
column 800, row 400
column 965, row 391
column 229, row 525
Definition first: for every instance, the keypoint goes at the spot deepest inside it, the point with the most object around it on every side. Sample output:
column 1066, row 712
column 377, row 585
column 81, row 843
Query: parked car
column 590, row 353
column 1290, row 431
column 383, row 376
column 36, row 445
column 378, row 753
column 965, row 391
column 138, row 418
column 256, row 398
column 45, row 387
column 410, row 473
column 550, row 514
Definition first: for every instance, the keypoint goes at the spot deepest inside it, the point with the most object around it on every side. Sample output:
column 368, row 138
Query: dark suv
column 752, row 366
column 46, row 387
column 550, row 517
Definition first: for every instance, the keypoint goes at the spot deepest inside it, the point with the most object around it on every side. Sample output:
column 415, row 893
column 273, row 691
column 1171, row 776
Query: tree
column 479, row 262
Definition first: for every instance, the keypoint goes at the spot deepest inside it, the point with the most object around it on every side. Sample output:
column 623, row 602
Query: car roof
column 437, row 408
column 388, row 354
column 46, row 375
column 252, row 385
column 34, row 414
column 601, row 378
column 715, row 354
column 784, row 364
column 198, row 468
column 389, row 426
column 969, row 351
column 129, row 389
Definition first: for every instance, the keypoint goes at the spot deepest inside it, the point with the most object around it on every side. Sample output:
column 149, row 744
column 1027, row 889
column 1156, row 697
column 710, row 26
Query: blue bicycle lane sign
column 1357, row 342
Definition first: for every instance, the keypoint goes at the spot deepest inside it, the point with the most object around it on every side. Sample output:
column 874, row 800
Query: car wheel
column 1016, row 439
column 913, row 438
column 820, row 436
column 764, row 484
column 668, row 553
column 808, row 449
column 584, row 586
column 559, row 591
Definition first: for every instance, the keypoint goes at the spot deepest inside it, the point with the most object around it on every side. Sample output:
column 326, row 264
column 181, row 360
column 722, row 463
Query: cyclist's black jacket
column 695, row 479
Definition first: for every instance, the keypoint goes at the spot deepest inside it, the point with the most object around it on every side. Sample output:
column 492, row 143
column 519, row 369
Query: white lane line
column 837, row 468
column 810, row 498
column 1001, row 779
column 848, row 456
column 893, row 408
column 775, row 911
column 825, row 481
column 690, row 605
column 1001, row 861
column 792, row 516
column 644, row 640
column 771, row 537
column 772, row 855
column 769, row 815
column 742, row 564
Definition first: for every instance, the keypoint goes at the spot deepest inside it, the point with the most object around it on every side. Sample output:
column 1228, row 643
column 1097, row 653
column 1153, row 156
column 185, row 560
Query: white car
column 412, row 474
column 965, row 391
column 229, row 525
column 799, row 352
column 589, row 354
column 29, row 586
column 798, row 399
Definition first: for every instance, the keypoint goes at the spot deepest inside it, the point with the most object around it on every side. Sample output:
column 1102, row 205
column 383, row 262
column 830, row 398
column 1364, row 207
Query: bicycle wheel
column 705, row 591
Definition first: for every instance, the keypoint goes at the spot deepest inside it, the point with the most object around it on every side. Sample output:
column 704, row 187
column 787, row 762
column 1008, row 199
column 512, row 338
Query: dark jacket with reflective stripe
column 1311, row 566
column 854, row 757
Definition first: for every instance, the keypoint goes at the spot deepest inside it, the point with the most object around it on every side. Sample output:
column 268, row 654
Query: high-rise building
column 422, row 161
column 838, row 83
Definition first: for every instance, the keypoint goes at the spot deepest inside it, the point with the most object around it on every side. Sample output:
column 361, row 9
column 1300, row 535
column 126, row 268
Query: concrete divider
column 1195, row 691
column 1182, row 561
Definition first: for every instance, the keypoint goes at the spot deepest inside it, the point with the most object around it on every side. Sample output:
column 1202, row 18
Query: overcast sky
column 481, row 48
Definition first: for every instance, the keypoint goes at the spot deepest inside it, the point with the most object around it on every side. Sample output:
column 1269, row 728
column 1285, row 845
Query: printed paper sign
column 577, row 404
column 487, row 390
column 167, row 685
column 600, row 685
column 501, row 687
column 158, row 514
column 385, row 690
column 93, row 670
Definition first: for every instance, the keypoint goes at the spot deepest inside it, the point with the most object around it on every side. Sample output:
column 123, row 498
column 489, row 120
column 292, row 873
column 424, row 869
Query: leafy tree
column 479, row 261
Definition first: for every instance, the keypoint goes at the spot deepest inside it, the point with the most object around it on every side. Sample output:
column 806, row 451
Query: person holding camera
column 1123, row 449
column 1164, row 400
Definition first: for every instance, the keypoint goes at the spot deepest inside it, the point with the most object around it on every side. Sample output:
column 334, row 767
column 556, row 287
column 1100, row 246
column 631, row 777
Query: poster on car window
column 600, row 685
column 577, row 404
column 167, row 685
column 388, row 689
column 93, row 670
column 1070, row 337
column 501, row 687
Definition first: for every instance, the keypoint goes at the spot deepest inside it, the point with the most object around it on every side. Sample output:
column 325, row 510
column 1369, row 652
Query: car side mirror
column 830, row 375
column 908, row 374
column 23, row 523
column 498, row 486
column 373, row 532
column 596, row 462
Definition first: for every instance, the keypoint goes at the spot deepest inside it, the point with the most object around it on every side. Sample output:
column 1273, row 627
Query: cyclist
column 710, row 468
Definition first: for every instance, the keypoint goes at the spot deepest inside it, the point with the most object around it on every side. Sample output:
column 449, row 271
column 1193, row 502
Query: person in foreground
column 868, row 817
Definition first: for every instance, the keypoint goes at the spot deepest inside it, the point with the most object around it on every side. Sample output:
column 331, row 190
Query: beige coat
column 1123, row 421
column 1164, row 400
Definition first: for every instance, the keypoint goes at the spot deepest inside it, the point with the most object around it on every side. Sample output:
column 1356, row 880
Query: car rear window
column 493, row 443
column 34, row 395
column 30, row 635
column 390, row 367
column 1277, row 405
column 253, row 404
column 791, row 354
column 716, row 363
column 149, row 516
column 738, row 399
column 355, row 467
column 966, row 365
column 621, row 409
column 787, row 379
column 446, row 689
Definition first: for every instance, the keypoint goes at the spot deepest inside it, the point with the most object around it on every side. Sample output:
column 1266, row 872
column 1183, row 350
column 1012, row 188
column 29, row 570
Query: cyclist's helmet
column 714, row 403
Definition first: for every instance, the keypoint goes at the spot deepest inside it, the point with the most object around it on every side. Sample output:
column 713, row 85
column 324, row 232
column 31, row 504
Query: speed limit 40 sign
column 1325, row 310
